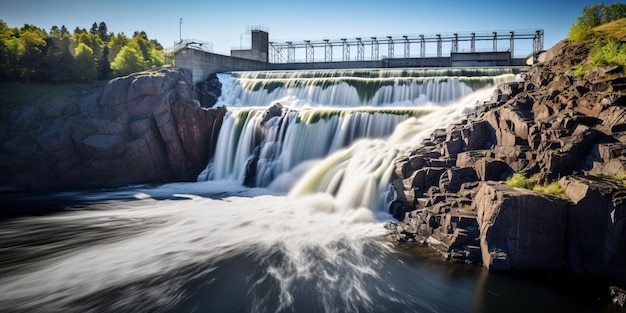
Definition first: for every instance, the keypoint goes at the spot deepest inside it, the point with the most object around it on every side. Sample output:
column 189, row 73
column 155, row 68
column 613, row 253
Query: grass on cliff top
column 607, row 44
column 615, row 29
column 519, row 180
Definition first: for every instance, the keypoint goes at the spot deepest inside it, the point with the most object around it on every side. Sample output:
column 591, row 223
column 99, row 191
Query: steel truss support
column 473, row 43
column 374, row 49
column 360, row 49
column 286, row 51
column 455, row 44
column 512, row 44
column 407, row 47
column 439, row 46
column 328, row 51
column 310, row 52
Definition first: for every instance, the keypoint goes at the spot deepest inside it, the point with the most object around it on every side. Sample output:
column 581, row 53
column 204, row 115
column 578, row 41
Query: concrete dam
column 465, row 50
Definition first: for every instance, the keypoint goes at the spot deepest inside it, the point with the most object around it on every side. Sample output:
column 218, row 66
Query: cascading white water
column 357, row 176
column 357, row 88
column 249, row 148
column 321, row 112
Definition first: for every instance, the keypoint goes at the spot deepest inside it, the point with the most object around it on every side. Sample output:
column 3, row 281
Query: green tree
column 58, row 60
column 30, row 53
column 128, row 61
column 157, row 57
column 55, row 32
column 116, row 44
column 103, row 32
column 592, row 16
column 85, row 63
column 104, row 66
column 92, row 41
column 142, row 45
column 78, row 30
column 151, row 50
column 9, row 43
column 94, row 29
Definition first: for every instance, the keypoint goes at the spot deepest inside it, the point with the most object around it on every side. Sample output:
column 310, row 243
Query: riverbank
column 563, row 135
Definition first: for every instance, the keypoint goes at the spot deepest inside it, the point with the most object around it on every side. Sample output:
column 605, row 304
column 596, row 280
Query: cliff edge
column 148, row 127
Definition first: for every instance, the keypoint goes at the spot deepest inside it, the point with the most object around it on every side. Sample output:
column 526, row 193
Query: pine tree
column 94, row 28
column 104, row 66
column 103, row 32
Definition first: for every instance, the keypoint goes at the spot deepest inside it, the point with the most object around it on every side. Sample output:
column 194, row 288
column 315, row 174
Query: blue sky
column 224, row 22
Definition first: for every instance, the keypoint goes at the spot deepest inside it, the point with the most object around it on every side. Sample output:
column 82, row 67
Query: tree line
column 31, row 53
column 607, row 44
column 593, row 16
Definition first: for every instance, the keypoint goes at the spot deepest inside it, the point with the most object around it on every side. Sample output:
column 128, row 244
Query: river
column 300, row 228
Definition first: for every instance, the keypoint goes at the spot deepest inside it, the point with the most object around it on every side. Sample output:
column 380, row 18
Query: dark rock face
column 209, row 91
column 515, row 224
column 551, row 124
column 597, row 219
column 144, row 128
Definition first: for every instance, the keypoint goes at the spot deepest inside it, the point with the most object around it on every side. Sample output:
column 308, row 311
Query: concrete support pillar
column 422, row 46
column 390, row 51
column 495, row 42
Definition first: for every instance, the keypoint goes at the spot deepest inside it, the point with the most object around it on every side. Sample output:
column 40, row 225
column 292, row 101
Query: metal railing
column 285, row 52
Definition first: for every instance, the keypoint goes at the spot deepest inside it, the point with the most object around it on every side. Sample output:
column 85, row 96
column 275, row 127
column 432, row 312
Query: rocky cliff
column 553, row 126
column 148, row 127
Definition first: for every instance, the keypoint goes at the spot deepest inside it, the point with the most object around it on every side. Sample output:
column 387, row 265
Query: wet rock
column 618, row 296
column 209, row 91
column 520, row 229
column 597, row 219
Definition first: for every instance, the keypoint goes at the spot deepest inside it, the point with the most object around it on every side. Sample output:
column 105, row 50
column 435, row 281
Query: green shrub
column 553, row 188
column 612, row 52
column 580, row 33
column 520, row 181
column 532, row 183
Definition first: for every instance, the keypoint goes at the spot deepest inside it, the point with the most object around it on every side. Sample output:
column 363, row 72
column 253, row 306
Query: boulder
column 597, row 219
column 491, row 169
column 520, row 229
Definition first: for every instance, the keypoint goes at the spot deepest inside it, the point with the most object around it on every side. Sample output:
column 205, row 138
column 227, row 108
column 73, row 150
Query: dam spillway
column 280, row 124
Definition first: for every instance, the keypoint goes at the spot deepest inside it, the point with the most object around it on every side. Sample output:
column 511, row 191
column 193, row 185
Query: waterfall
column 254, row 149
column 358, row 175
column 356, row 88
column 314, row 115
